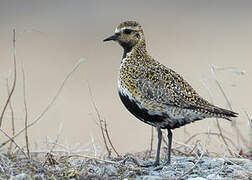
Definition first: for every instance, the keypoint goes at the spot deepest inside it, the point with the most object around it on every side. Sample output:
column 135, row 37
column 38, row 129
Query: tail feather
column 224, row 113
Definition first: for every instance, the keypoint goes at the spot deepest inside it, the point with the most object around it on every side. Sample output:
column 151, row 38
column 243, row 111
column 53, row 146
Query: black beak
column 113, row 37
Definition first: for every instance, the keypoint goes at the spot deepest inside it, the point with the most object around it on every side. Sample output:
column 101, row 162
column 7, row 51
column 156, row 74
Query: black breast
column 140, row 113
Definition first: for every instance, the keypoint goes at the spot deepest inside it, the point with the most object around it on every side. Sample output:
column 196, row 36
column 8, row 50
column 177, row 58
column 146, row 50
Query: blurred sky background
column 187, row 36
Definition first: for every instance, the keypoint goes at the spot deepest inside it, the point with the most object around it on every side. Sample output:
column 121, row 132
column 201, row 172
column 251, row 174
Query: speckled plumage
column 154, row 93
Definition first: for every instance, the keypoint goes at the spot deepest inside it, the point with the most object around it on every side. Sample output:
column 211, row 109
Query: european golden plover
column 156, row 94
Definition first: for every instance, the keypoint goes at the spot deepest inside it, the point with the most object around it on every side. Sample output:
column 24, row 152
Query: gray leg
column 158, row 146
column 169, row 146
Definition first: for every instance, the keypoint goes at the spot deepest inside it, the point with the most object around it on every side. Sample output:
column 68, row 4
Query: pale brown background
column 187, row 36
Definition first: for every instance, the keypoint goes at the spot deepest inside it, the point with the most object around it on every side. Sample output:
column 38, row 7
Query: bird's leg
column 169, row 147
column 156, row 163
column 158, row 146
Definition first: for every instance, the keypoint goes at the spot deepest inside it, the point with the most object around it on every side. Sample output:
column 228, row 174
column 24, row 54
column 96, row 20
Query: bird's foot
column 150, row 164
column 156, row 165
column 167, row 163
column 160, row 167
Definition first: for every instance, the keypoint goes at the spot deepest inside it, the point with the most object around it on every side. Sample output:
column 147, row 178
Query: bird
column 154, row 93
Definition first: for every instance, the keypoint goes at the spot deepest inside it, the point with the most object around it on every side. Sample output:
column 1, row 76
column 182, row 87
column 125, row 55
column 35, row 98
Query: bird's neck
column 126, row 51
column 138, row 50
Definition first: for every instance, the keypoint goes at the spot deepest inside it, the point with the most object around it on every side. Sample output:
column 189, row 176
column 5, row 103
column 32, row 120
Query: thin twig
column 64, row 150
column 239, row 135
column 98, row 159
column 26, row 113
column 231, row 69
column 222, row 137
column 180, row 152
column 187, row 148
column 108, row 137
column 50, row 103
column 55, row 143
column 15, row 78
column 93, row 146
column 210, row 133
column 57, row 138
column 229, row 104
column 249, row 133
column 12, row 113
column 14, row 142
column 191, row 169
column 100, row 121
column 192, row 150
column 220, row 87
column 249, row 119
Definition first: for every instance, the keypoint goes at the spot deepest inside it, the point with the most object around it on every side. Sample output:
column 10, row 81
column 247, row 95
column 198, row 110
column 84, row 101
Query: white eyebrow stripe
column 118, row 30
column 133, row 28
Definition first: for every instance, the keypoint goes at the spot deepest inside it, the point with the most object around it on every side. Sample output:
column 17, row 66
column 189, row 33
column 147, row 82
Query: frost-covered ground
column 78, row 167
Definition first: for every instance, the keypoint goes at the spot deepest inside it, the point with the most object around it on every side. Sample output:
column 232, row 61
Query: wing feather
column 164, row 86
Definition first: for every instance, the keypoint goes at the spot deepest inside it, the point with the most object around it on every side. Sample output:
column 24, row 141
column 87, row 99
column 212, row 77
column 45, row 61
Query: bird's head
column 127, row 34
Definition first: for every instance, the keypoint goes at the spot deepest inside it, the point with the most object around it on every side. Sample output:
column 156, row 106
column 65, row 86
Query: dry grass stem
column 222, row 137
column 213, row 71
column 239, row 72
column 15, row 78
column 191, row 169
column 211, row 133
column 249, row 134
column 26, row 113
column 100, row 121
column 12, row 114
column 108, row 137
column 103, row 127
column 90, row 157
column 49, row 154
column 14, row 143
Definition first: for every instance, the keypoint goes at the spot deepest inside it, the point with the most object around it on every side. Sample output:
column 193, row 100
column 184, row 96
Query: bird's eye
column 127, row 31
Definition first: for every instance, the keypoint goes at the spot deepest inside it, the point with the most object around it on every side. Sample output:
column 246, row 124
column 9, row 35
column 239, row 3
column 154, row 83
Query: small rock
column 23, row 176
column 193, row 175
column 154, row 173
column 61, row 165
column 168, row 173
column 197, row 178
column 39, row 177
column 212, row 163
column 248, row 165
column 111, row 170
column 152, row 178
column 93, row 170
column 129, row 174
column 183, row 159
column 229, row 170
column 184, row 165
column 214, row 177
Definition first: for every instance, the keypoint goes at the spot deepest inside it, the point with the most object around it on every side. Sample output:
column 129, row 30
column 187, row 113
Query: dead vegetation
column 62, row 162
